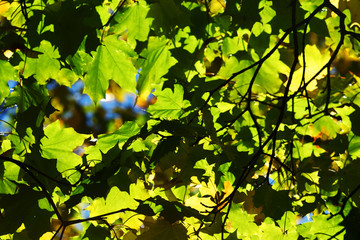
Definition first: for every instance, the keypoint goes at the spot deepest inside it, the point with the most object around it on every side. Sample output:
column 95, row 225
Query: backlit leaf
column 169, row 104
column 154, row 63
column 314, row 61
column 198, row 136
column 134, row 20
column 322, row 227
column 268, row 77
column 106, row 141
column 59, row 144
column 7, row 72
column 46, row 66
column 110, row 62
column 116, row 200
column 30, row 94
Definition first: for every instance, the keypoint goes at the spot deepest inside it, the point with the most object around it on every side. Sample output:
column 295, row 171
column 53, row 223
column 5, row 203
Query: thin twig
column 40, row 184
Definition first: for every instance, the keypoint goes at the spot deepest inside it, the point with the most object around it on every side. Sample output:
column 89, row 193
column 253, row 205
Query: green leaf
column 164, row 230
column 350, row 225
column 267, row 13
column 154, row 64
column 314, row 61
column 107, row 141
column 328, row 126
column 7, row 72
column 169, row 104
column 105, row 10
column 7, row 186
column 96, row 233
column 203, row 138
column 346, row 180
column 59, row 144
column 134, row 20
column 257, row 29
column 287, row 221
column 322, row 227
column 115, row 200
column 270, row 231
column 30, row 94
column 233, row 45
column 354, row 146
column 66, row 77
column 274, row 203
column 13, row 15
column 268, row 77
column 81, row 60
column 110, row 62
column 310, row 5
column 8, row 176
column 242, row 222
column 46, row 66
column 231, row 66
column 167, row 15
column 22, row 208
column 71, row 18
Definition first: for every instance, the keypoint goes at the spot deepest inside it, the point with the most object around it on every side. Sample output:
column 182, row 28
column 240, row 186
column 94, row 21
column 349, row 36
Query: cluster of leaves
column 255, row 123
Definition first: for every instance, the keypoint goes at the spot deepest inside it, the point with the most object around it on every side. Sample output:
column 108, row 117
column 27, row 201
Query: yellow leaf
column 314, row 61
column 47, row 236
column 4, row 7
column 216, row 6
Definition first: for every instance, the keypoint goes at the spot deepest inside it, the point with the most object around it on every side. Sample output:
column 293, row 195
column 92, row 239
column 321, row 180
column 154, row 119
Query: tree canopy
column 243, row 120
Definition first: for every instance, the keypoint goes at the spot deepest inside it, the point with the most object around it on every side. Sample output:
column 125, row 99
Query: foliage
column 254, row 124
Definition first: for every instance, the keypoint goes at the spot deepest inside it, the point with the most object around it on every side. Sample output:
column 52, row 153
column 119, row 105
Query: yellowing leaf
column 216, row 6
column 47, row 236
column 314, row 61
column 66, row 77
column 267, row 13
column 12, row 14
column 328, row 126
column 138, row 190
column 116, row 200
column 4, row 7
